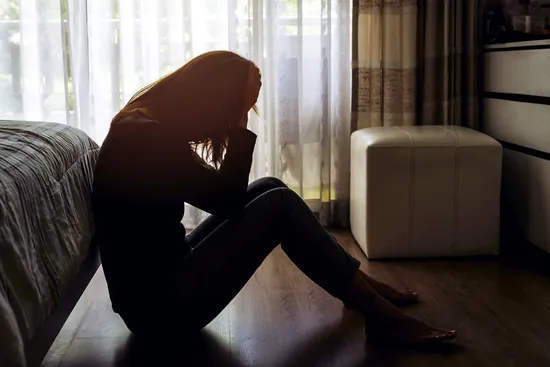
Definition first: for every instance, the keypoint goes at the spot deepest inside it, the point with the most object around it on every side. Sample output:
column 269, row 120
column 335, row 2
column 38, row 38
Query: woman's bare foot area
column 384, row 322
column 396, row 297
column 405, row 330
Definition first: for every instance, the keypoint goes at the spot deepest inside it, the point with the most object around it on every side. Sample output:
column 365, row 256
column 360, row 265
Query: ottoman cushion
column 425, row 191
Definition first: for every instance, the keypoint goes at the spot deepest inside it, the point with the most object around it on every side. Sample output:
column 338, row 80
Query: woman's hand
column 243, row 121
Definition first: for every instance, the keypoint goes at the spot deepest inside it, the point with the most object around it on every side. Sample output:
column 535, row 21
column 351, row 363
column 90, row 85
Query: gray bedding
column 46, row 224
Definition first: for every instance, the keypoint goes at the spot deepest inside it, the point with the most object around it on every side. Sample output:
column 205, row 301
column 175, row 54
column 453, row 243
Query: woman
column 153, row 161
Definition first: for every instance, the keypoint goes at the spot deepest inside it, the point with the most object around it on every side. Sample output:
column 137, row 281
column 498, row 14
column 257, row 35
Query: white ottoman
column 425, row 191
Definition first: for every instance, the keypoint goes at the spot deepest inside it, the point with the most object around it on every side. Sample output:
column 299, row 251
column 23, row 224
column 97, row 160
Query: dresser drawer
column 520, row 123
column 518, row 72
column 526, row 195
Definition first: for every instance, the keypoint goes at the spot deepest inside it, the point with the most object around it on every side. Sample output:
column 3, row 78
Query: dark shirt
column 143, row 178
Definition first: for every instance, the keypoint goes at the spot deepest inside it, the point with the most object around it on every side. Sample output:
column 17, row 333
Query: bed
column 47, row 255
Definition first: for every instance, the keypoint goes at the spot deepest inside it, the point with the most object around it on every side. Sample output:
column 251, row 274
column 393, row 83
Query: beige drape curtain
column 415, row 62
column 384, row 62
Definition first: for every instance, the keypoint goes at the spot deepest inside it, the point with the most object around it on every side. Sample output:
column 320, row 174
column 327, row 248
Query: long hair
column 203, row 98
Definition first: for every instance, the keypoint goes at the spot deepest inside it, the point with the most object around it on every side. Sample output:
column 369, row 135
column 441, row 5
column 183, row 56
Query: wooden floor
column 501, row 310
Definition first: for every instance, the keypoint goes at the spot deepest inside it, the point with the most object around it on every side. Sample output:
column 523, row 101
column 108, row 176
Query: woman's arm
column 221, row 191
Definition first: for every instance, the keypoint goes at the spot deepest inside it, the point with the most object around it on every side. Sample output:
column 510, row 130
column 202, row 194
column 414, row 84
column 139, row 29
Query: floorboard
column 501, row 309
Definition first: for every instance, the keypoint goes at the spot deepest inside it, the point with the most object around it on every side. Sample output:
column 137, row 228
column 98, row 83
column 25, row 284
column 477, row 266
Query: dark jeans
column 226, row 253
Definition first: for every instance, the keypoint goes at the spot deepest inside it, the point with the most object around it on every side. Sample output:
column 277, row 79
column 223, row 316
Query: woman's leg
column 255, row 189
column 263, row 185
column 222, row 263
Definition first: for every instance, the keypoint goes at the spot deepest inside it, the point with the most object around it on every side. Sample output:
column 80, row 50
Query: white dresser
column 516, row 111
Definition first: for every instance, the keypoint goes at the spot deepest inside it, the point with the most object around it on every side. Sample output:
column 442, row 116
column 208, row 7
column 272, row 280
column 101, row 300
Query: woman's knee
column 281, row 198
column 268, row 183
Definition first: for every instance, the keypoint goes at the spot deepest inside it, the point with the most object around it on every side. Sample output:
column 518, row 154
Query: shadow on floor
column 205, row 349
column 334, row 344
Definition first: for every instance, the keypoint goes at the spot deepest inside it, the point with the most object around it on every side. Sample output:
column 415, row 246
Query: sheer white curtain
column 79, row 61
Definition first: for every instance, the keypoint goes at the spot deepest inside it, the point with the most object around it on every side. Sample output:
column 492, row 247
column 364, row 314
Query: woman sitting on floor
column 153, row 162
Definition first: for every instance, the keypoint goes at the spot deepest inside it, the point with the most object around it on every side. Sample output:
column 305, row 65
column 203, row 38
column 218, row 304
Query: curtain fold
column 384, row 62
column 449, row 58
column 78, row 62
